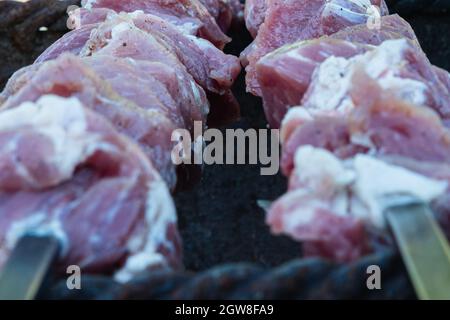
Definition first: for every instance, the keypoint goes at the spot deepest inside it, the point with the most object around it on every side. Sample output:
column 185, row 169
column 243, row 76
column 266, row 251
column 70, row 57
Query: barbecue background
column 219, row 219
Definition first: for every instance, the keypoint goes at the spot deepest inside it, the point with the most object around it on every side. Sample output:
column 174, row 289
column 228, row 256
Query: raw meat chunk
column 66, row 171
column 332, row 204
column 210, row 67
column 71, row 76
column 380, row 122
column 285, row 74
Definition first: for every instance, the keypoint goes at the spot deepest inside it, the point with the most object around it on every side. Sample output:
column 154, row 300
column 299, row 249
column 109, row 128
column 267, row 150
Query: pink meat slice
column 173, row 11
column 127, row 40
column 83, row 16
column 255, row 12
column 72, row 42
column 285, row 74
column 288, row 21
column 395, row 126
column 216, row 73
column 210, row 67
column 67, row 172
column 382, row 126
column 122, row 39
column 150, row 126
column 391, row 27
column 123, row 74
column 157, row 82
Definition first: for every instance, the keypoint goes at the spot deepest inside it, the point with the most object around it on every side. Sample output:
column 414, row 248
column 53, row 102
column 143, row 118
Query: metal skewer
column 27, row 267
column 423, row 246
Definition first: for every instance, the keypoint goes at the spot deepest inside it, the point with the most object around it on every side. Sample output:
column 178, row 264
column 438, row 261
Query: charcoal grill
column 229, row 252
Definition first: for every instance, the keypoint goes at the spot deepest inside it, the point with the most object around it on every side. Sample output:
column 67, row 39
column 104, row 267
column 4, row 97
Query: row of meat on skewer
column 363, row 114
column 85, row 132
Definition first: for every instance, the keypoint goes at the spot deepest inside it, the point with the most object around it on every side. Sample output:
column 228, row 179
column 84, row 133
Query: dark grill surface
column 220, row 221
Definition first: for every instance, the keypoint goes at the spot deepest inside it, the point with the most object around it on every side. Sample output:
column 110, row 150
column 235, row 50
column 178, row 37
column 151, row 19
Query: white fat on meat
column 88, row 3
column 293, row 119
column 144, row 251
column 377, row 179
column 332, row 80
column 353, row 11
column 318, row 169
column 323, row 180
column 65, row 127
column 122, row 27
column 356, row 187
column 37, row 225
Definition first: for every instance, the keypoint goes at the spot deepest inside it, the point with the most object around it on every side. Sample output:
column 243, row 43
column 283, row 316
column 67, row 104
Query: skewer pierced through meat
column 67, row 172
column 338, row 166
